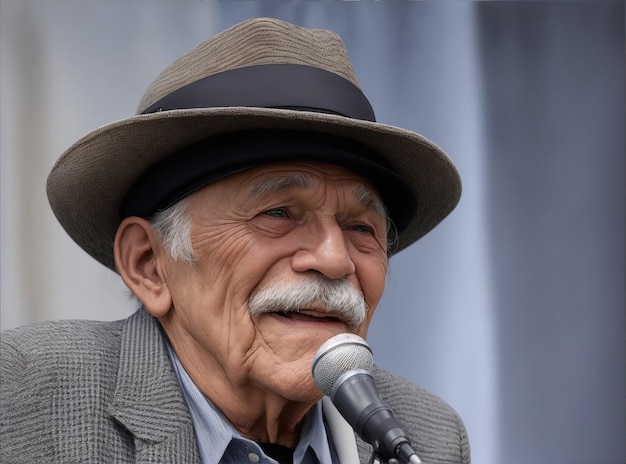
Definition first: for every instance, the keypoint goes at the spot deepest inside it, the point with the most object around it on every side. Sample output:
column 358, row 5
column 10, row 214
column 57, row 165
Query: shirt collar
column 214, row 432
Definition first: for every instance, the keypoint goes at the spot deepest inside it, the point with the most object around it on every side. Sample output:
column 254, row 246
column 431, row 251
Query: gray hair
column 173, row 227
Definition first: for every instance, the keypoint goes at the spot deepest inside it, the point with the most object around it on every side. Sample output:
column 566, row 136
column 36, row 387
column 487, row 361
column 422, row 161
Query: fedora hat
column 262, row 91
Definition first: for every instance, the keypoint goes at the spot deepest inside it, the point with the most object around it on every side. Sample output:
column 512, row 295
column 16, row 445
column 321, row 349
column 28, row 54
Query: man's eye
column 276, row 212
column 361, row 228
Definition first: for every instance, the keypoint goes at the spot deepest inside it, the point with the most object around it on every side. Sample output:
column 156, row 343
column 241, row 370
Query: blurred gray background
column 512, row 310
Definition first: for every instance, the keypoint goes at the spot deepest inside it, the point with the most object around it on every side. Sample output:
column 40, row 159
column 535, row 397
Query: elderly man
column 251, row 206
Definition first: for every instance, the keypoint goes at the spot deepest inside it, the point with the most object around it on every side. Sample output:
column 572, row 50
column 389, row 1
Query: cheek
column 210, row 295
column 217, row 245
column 371, row 272
column 371, row 276
column 230, row 262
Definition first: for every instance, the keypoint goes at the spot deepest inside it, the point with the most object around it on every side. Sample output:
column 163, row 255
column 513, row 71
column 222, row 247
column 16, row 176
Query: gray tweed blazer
column 105, row 392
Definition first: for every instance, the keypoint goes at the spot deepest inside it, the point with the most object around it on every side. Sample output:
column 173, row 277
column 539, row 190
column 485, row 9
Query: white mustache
column 338, row 297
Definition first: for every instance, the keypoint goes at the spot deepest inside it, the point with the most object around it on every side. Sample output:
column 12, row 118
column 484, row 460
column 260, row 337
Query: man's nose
column 325, row 250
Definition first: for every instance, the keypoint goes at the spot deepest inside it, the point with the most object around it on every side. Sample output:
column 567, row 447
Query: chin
column 295, row 383
column 308, row 394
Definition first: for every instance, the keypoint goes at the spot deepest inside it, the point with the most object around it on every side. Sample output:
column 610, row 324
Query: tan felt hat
column 262, row 91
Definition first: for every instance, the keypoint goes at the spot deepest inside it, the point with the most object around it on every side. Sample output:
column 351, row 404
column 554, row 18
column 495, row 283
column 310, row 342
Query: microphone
column 341, row 370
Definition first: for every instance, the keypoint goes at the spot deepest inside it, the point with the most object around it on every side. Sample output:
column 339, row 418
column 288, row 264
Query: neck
column 275, row 421
column 257, row 414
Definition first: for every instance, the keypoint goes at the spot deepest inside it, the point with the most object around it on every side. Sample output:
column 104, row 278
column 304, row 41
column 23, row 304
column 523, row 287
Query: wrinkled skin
column 250, row 230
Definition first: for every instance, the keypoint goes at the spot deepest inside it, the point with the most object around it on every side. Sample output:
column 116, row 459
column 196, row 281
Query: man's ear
column 139, row 259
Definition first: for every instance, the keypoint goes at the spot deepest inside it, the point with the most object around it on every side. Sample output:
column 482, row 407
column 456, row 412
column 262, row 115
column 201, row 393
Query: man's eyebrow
column 365, row 195
column 279, row 183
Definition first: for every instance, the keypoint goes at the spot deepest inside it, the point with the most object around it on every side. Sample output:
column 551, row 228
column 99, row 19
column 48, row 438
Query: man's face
column 274, row 227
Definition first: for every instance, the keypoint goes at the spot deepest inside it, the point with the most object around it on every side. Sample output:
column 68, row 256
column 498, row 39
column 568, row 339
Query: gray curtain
column 554, row 106
column 512, row 310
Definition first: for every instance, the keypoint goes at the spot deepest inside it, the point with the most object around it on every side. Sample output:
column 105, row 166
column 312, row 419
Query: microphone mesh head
column 338, row 355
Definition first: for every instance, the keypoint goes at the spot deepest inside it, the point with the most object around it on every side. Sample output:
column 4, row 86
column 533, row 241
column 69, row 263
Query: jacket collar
column 147, row 399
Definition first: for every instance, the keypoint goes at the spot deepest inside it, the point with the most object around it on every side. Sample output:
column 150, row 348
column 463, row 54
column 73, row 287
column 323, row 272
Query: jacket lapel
column 148, row 400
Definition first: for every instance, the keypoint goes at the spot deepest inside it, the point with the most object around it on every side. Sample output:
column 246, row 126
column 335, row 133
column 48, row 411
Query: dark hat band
column 286, row 86
column 187, row 170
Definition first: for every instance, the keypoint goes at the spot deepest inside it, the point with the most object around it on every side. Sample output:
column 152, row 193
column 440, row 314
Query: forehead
column 311, row 175
column 303, row 175
column 254, row 183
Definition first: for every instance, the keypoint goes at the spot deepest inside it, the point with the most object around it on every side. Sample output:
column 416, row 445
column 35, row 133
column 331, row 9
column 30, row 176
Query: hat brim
column 87, row 185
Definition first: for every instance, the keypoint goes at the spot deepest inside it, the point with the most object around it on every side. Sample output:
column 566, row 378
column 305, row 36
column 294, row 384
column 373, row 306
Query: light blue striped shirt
column 220, row 443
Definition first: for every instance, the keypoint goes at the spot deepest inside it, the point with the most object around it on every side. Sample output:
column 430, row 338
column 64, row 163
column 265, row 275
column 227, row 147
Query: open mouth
column 309, row 316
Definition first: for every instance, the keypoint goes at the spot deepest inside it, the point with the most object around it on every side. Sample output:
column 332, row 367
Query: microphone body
column 341, row 370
